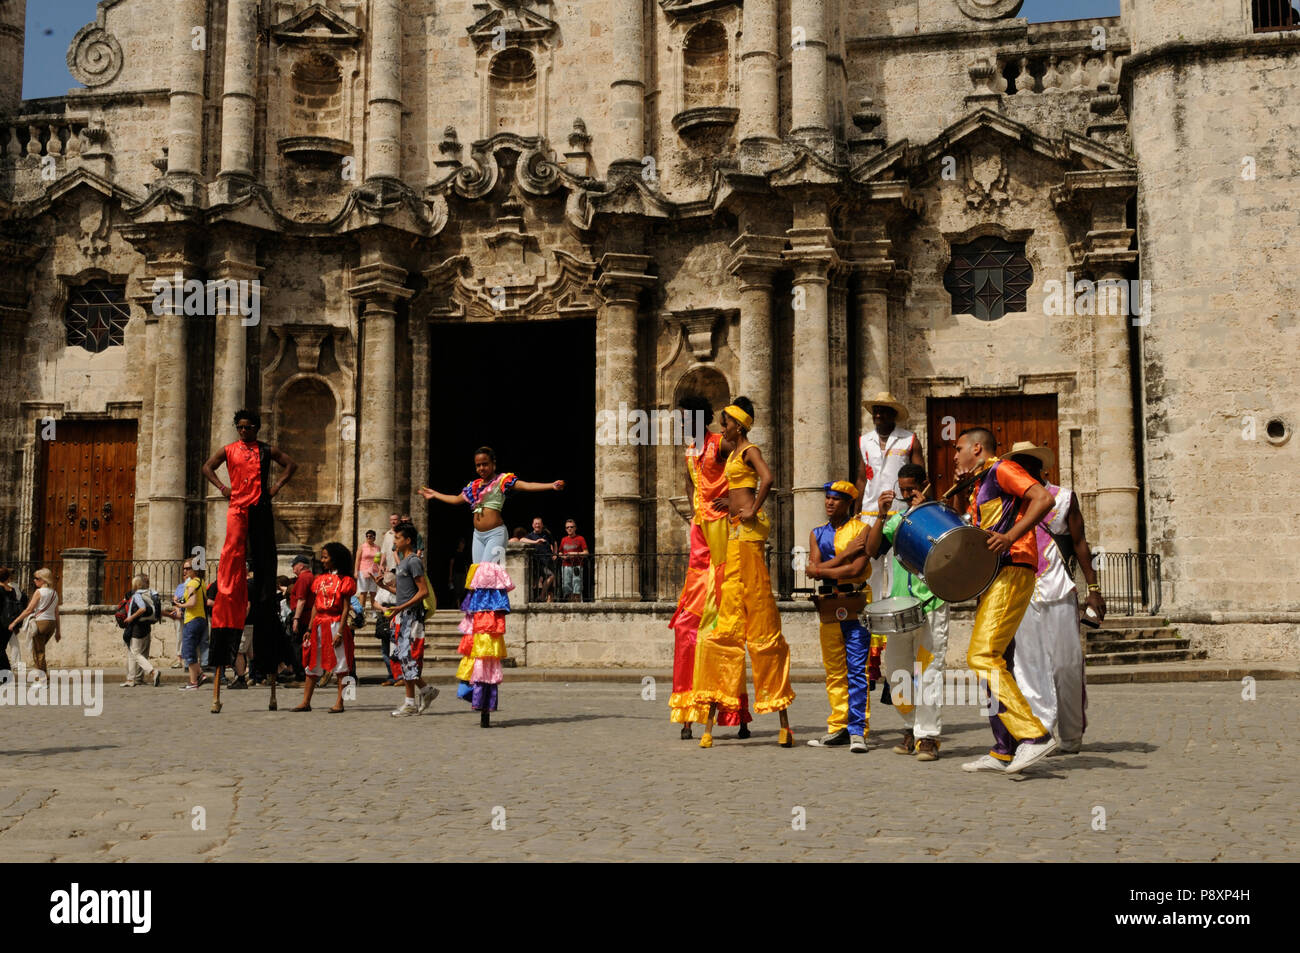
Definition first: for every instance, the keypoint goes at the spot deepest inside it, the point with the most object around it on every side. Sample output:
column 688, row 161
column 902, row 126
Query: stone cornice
column 1250, row 44
column 623, row 276
column 379, row 280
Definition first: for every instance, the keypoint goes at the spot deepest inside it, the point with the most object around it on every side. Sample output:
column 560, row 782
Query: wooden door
column 87, row 495
column 1011, row 419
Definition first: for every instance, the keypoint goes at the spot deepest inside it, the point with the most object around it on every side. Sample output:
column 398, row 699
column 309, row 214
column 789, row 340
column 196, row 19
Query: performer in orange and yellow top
column 698, row 605
column 747, row 614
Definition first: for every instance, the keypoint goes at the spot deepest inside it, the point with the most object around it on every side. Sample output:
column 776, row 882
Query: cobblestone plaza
column 593, row 772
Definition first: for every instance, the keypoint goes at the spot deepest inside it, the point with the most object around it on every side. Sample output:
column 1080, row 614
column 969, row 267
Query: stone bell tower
column 13, row 27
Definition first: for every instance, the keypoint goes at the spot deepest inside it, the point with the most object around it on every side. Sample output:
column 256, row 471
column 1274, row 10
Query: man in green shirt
column 919, row 700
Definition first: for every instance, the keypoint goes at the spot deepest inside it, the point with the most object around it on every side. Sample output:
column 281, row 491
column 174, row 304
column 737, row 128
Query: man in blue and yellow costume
column 846, row 644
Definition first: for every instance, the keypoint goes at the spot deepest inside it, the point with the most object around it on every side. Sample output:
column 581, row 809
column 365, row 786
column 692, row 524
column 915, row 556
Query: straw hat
column 1026, row 448
column 886, row 399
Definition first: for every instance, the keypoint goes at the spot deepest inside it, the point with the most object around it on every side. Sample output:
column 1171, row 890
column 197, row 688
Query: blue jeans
column 194, row 639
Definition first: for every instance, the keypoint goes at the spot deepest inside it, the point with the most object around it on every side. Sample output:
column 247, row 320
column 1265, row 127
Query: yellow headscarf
column 739, row 416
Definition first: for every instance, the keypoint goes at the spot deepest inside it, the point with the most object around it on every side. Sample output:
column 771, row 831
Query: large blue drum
column 952, row 557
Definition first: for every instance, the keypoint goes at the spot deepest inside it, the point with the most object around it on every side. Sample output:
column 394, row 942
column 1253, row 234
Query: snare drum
column 839, row 606
column 889, row 616
column 951, row 556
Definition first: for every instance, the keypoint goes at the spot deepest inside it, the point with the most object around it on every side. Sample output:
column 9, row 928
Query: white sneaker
column 1030, row 754
column 427, row 694
column 404, row 710
column 858, row 744
column 985, row 763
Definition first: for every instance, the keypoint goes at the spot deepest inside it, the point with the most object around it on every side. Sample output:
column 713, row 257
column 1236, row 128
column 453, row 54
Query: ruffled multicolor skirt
column 483, row 634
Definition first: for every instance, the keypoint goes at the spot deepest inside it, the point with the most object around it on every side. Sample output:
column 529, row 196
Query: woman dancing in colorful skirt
column 486, row 604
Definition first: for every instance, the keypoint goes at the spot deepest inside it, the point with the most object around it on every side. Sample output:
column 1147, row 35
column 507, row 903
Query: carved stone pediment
column 316, row 24
column 685, row 9
column 512, row 22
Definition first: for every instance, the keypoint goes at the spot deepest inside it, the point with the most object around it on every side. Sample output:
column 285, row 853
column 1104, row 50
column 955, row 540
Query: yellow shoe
column 706, row 740
column 785, row 738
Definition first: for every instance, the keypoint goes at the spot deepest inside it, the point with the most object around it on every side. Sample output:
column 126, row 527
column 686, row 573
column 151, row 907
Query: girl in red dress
column 328, row 646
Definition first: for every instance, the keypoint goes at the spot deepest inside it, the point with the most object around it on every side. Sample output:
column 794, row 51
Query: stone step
column 1097, row 649
column 1107, row 634
column 1134, row 622
column 1140, row 658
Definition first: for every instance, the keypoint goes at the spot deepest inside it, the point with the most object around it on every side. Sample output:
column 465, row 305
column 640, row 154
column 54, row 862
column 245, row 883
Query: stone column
column 759, row 62
column 758, row 257
column 812, row 257
column 810, row 114
column 185, row 122
column 627, row 90
column 873, row 329
column 167, row 461
column 379, row 286
column 1117, row 489
column 238, row 102
column 13, row 30
column 235, row 261
column 622, row 278
column 384, row 129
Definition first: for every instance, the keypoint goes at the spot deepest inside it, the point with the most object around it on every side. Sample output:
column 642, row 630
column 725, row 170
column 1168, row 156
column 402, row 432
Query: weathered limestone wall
column 937, row 353
column 1218, row 248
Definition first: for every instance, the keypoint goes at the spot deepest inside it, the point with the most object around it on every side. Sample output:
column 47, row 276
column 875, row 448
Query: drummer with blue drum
column 914, row 654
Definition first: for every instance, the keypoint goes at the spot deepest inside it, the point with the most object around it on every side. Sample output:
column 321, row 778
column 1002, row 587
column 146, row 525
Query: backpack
column 123, row 610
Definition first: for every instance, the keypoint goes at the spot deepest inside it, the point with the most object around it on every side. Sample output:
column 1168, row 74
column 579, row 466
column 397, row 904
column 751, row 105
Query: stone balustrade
column 1037, row 73
column 44, row 135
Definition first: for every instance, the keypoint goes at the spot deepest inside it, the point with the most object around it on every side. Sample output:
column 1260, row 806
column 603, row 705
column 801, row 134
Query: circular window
column 1277, row 431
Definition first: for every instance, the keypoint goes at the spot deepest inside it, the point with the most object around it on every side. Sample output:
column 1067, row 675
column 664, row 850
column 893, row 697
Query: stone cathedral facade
column 805, row 201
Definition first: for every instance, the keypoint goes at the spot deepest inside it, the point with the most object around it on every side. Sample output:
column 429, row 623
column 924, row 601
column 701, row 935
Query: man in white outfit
column 1047, row 661
column 883, row 452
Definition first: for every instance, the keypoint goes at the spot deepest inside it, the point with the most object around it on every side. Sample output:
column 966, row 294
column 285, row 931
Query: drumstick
column 964, row 483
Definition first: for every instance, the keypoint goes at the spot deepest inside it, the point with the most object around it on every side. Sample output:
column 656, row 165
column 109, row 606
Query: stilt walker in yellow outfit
column 747, row 615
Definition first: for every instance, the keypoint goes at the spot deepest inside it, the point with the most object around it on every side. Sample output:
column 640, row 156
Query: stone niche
column 314, row 95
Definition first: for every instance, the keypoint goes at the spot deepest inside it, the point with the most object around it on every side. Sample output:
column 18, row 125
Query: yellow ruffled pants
column 747, row 619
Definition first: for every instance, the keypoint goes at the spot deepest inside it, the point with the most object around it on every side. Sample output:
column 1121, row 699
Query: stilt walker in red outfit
column 250, row 545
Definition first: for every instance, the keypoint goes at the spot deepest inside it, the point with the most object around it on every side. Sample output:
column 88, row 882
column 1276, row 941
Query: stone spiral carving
column 990, row 9
column 95, row 56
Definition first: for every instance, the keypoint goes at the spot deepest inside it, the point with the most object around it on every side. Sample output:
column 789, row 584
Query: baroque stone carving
column 986, row 183
column 95, row 56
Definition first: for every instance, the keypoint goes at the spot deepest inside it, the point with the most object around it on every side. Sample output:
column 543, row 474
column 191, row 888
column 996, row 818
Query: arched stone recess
column 514, row 48
column 315, row 111
column 311, row 380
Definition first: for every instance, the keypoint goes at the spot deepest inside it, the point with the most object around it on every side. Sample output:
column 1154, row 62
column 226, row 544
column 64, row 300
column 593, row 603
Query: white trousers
column 919, row 701
column 1048, row 667
column 138, row 665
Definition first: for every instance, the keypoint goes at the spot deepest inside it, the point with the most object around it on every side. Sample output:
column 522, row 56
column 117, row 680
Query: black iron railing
column 646, row 577
column 1130, row 582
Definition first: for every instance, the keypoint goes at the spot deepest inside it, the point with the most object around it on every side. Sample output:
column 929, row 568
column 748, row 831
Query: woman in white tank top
column 44, row 610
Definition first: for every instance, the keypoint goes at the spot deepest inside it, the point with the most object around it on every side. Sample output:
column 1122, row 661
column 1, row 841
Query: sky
column 51, row 25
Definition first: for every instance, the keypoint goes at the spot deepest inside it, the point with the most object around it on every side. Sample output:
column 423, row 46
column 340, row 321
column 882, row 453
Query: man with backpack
column 143, row 611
